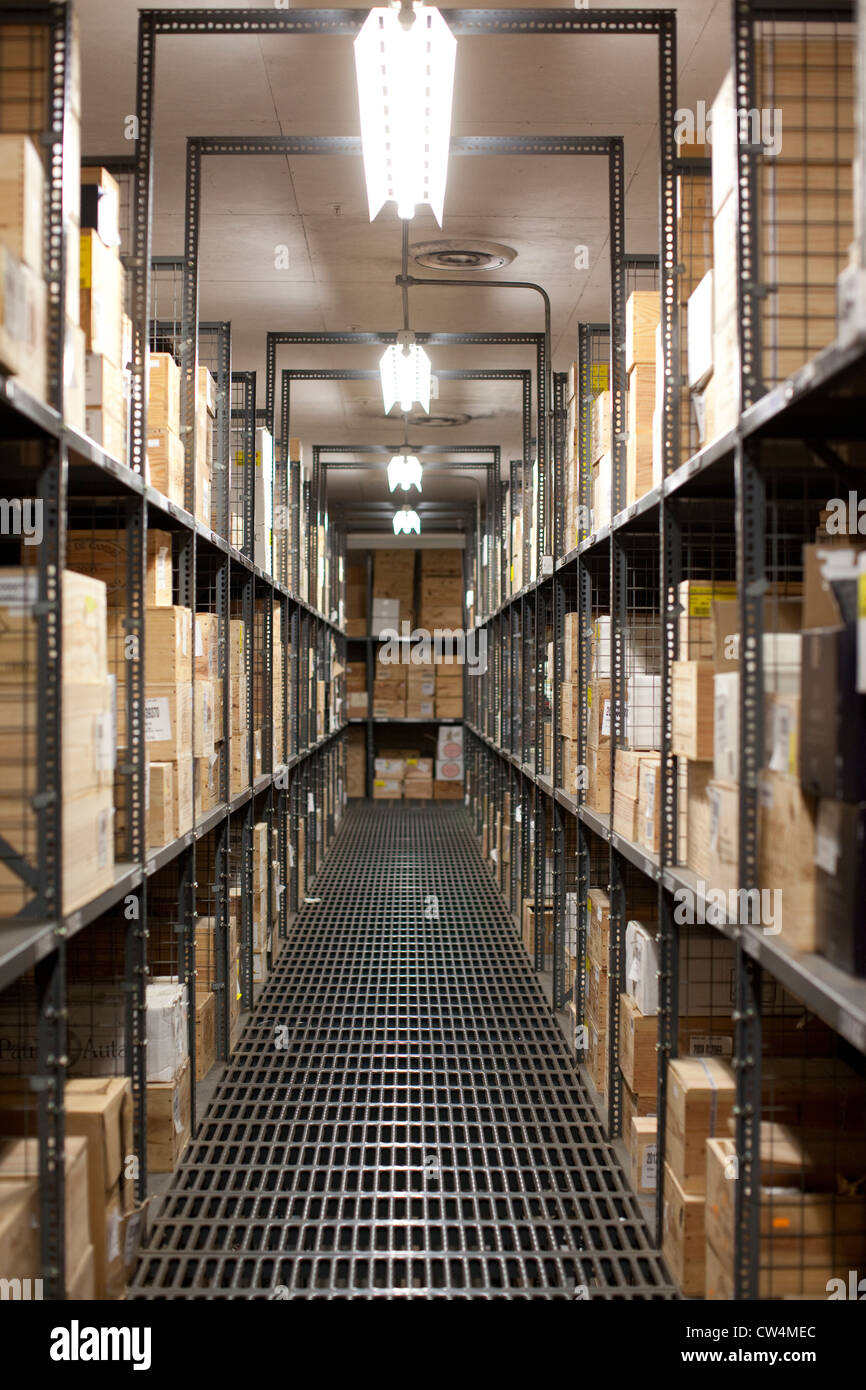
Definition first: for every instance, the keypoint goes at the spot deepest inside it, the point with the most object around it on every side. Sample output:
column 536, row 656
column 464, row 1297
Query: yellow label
column 378, row 783
column 589, row 697
column 702, row 595
column 89, row 603
column 84, row 275
column 861, row 596
column 588, row 903
column 412, row 762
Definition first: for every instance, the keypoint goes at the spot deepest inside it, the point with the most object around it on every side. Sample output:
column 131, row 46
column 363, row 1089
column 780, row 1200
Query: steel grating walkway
column 402, row 1117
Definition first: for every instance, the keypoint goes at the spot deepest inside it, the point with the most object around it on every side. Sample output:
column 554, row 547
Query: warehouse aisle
column 402, row 1116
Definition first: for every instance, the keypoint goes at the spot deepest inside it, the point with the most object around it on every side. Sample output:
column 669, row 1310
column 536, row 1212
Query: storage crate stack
column 107, row 337
column 695, row 254
column 261, row 923
column 418, row 779
column 209, row 713
column 166, row 456
column 422, row 689
column 812, row 1142
column 100, row 1207
column 205, row 414
column 239, row 766
column 87, row 773
column 278, row 674
column 450, row 767
column 356, row 600
column 168, row 1075
column 168, row 717
column 601, row 459
column 636, row 799
column 357, row 698
column 388, row 777
column 597, row 994
column 442, row 610
column 642, row 315
column 571, row 461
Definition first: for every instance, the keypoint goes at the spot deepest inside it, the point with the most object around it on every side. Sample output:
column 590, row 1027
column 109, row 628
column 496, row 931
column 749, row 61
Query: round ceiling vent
column 462, row 254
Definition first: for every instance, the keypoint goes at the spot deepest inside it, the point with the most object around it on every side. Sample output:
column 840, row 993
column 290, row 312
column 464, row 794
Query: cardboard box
column 786, row 858
column 205, row 1033
column 100, row 297
column 683, row 1240
column 832, row 712
column 183, row 794
column 19, row 1228
column 23, row 308
column 642, row 314
column 168, row 1121
column 168, row 646
column 160, row 809
column 638, row 1036
column 166, row 463
column 168, row 721
column 22, row 198
column 448, row 791
column 387, row 789
column 19, row 1164
column 700, row 1101
column 643, row 1149
column 643, row 711
column 163, row 395
column 693, row 696
column 598, row 926
column 204, row 723
column 726, row 727
column 649, row 806
column 840, row 884
column 88, row 849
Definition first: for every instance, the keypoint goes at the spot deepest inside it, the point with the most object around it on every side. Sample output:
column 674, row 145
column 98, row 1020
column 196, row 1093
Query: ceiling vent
column 462, row 255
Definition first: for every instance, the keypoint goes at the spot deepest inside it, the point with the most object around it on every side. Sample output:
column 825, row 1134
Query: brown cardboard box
column 804, row 1236
column 692, row 695
column 649, row 806
column 183, row 795
column 642, row 315
column 19, row 1162
column 206, row 646
column 163, row 396
column 643, row 1149
column 88, row 849
column 19, row 1228
column 168, row 1121
column 166, row 463
column 168, row 646
column 598, row 926
column 529, row 926
column 638, row 1058
column 700, row 1100
column 160, row 810
column 101, row 296
column 786, row 855
column 22, row 195
column 205, row 1036
column 168, row 721
column 447, row 791
column 683, row 1242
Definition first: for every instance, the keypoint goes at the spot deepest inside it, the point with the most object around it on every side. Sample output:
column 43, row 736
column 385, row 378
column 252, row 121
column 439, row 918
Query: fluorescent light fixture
column 405, row 371
column 404, row 472
column 406, row 521
column 405, row 75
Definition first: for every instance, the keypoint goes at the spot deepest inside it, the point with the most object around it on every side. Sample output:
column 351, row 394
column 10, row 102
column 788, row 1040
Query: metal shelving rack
column 297, row 780
column 821, row 404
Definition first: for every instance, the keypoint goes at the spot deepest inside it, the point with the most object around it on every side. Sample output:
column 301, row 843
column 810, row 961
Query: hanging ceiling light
column 404, row 472
column 404, row 61
column 406, row 521
column 405, row 371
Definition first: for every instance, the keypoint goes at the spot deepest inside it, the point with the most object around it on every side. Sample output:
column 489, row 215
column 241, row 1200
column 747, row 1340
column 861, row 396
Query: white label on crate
column 781, row 740
column 650, row 796
column 765, row 794
column 102, row 835
column 605, row 720
column 104, row 745
column 175, row 1111
column 518, row 814
column 649, row 1166
column 199, row 640
column 707, row 1045
column 827, row 847
column 157, row 720
column 311, row 802
column 162, row 571
column 112, row 1237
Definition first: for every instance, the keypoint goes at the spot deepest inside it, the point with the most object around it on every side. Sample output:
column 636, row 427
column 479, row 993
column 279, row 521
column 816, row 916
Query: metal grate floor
column 402, row 1117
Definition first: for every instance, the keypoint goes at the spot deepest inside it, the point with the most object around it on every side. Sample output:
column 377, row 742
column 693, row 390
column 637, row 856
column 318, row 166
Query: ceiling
column 341, row 268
